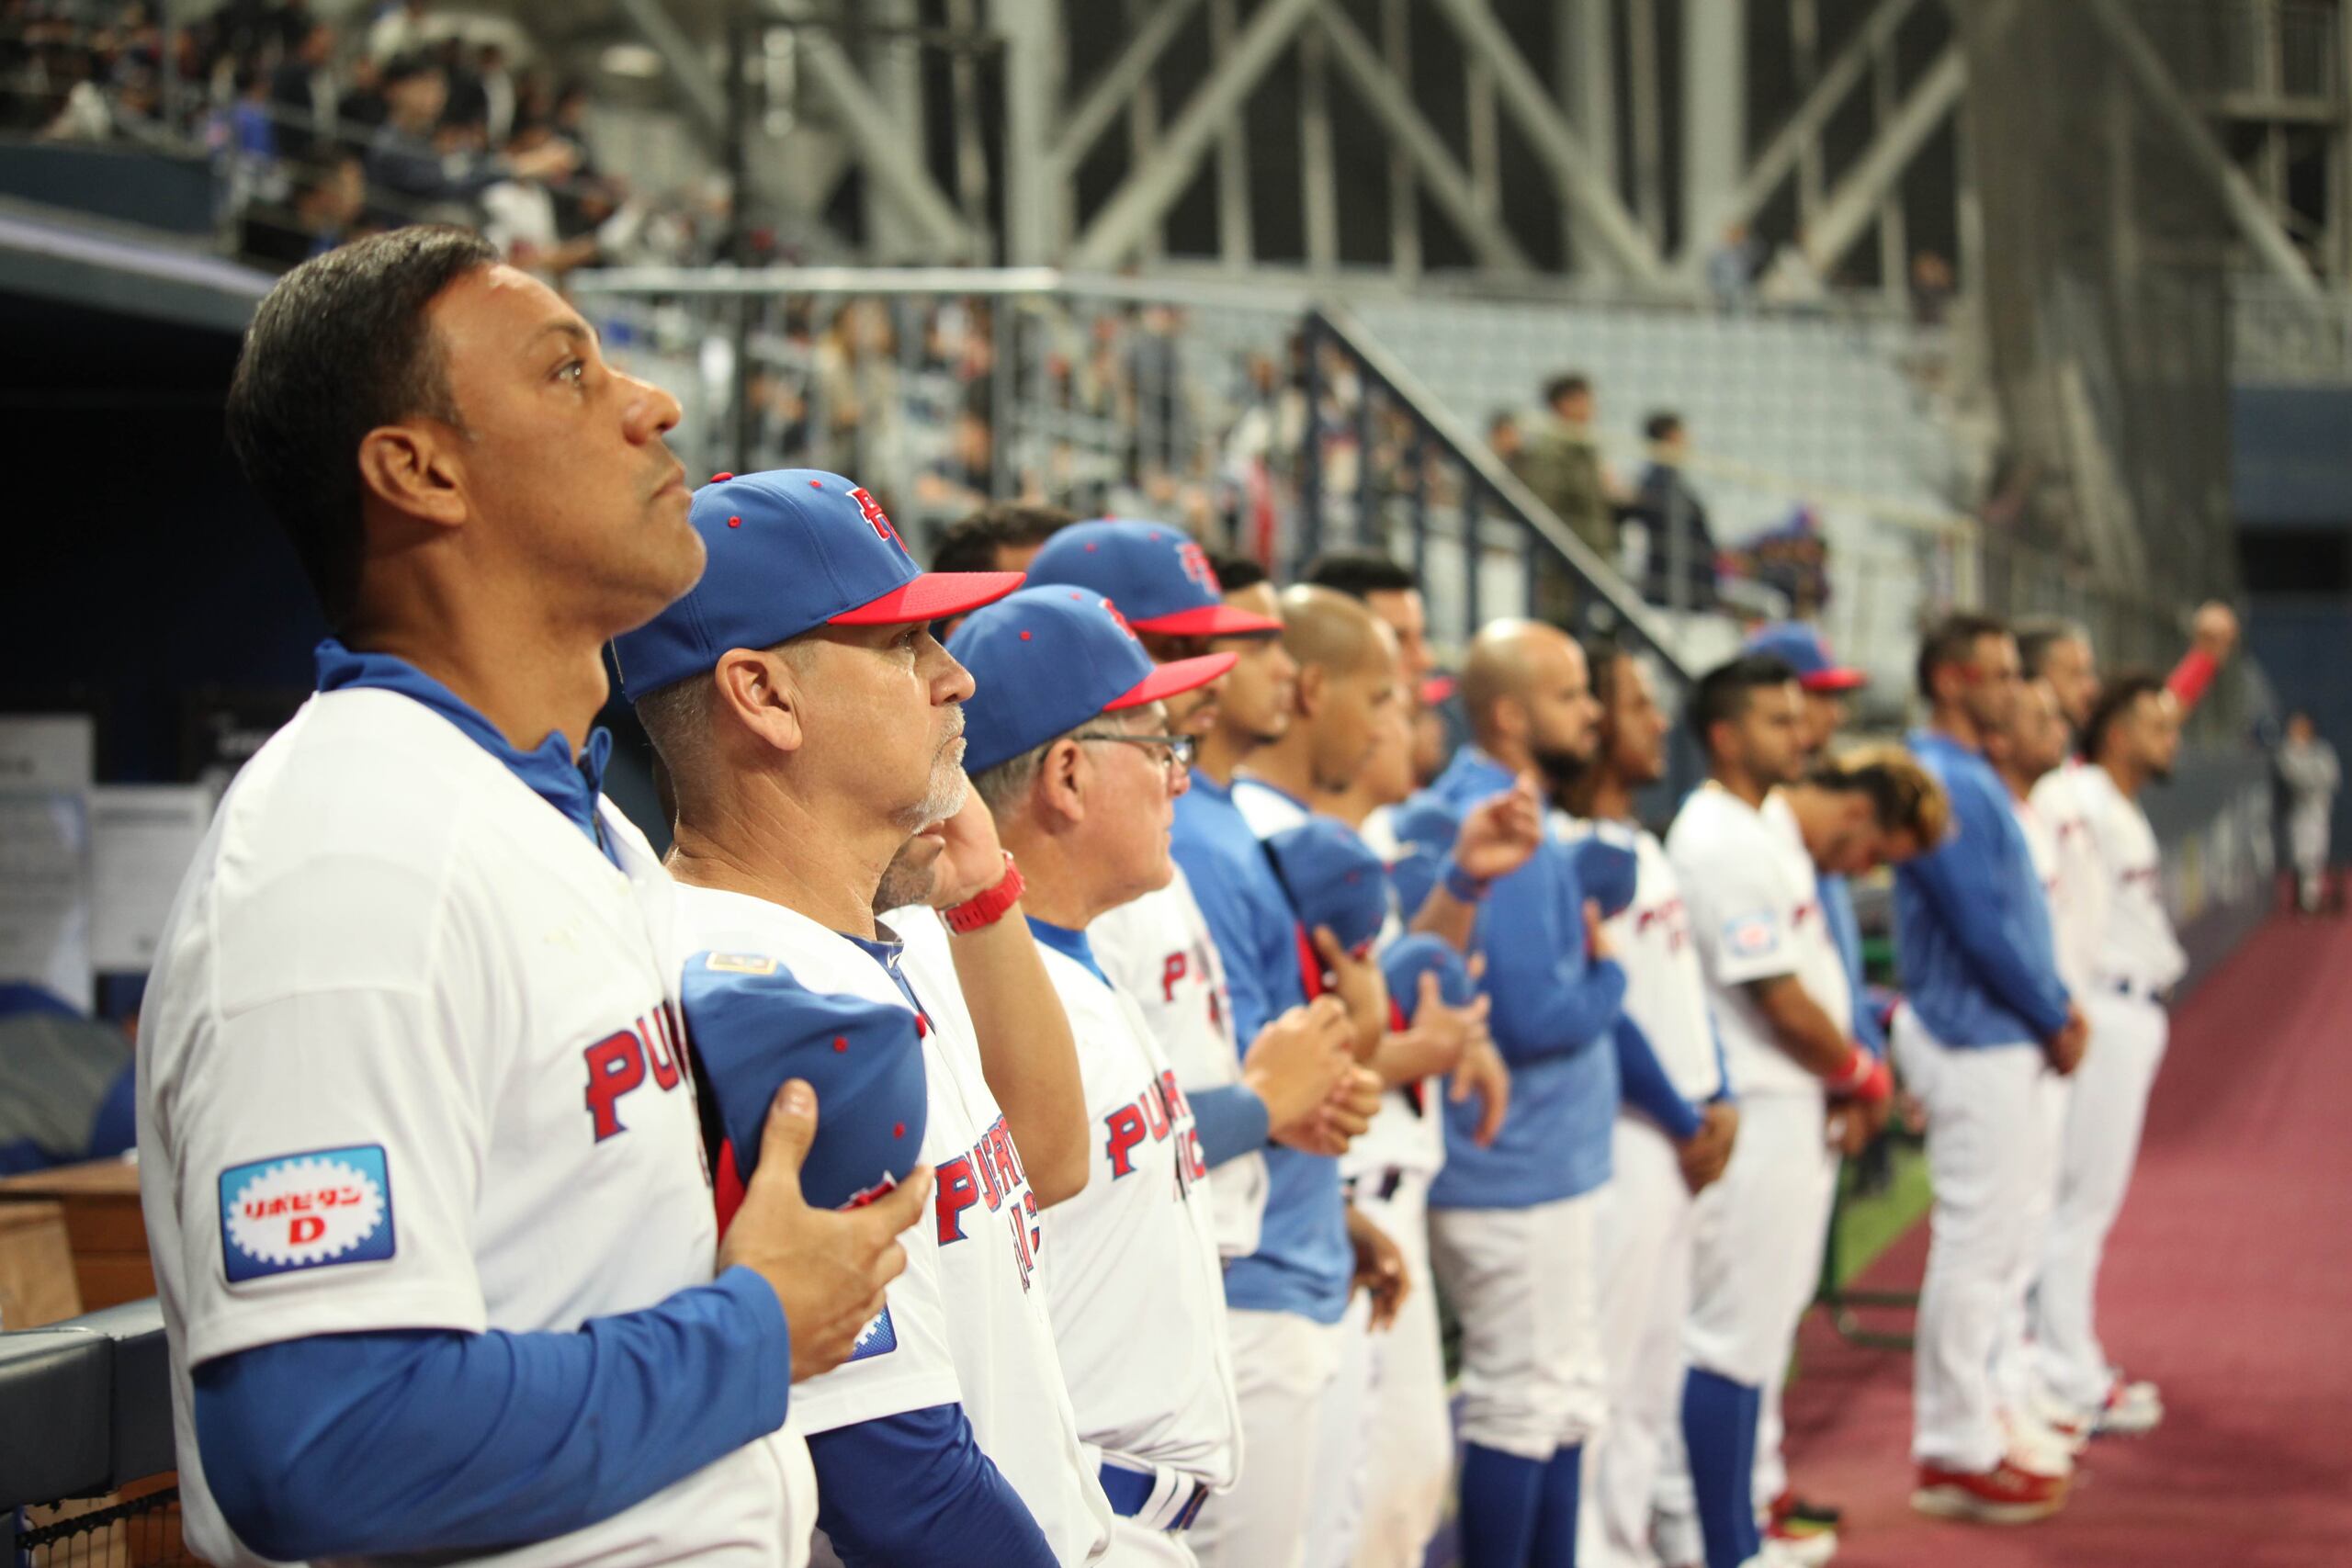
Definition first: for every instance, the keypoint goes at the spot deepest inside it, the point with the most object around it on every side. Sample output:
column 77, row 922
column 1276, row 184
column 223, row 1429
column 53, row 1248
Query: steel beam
column 1403, row 189
column 1714, row 114
column 1235, row 243
column 1036, row 193
column 1111, row 91
column 1447, row 182
column 1318, row 178
column 891, row 159
column 704, row 98
column 1530, row 103
column 1586, row 59
column 1645, row 72
column 1854, row 202
column 1145, row 196
column 2246, row 209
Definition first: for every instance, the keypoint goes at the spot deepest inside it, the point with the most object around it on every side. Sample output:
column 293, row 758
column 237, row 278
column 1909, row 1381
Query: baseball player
column 1985, row 1009
column 1285, row 1300
column 809, row 722
column 2133, row 738
column 1802, row 1525
column 1068, row 746
column 1749, row 847
column 1513, row 1224
column 1157, row 948
column 2307, row 766
column 1675, row 1127
column 420, row 1156
column 2060, row 652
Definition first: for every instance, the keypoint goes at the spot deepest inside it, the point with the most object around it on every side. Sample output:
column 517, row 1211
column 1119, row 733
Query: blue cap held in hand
column 754, row 1026
column 1333, row 879
column 1608, row 867
column 1160, row 580
column 1047, row 660
column 788, row 551
column 1410, row 957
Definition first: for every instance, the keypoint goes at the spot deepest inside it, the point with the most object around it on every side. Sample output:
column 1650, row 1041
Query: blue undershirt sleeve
column 916, row 1488
column 1644, row 1085
column 1961, row 880
column 1551, row 998
column 415, row 1441
column 1231, row 1120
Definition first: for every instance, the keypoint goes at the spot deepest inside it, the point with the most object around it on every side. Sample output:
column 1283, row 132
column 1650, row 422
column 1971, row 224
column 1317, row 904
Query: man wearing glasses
column 1067, row 746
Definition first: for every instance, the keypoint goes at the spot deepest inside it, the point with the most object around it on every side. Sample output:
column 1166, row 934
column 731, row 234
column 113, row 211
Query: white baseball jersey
column 1666, row 988
column 2072, row 879
column 1136, row 1292
column 2139, row 946
column 1754, row 906
column 973, row 1288
column 1158, row 951
column 412, row 1060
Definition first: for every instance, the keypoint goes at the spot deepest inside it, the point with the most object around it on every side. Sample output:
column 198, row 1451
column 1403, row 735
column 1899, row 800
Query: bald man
column 1512, row 1222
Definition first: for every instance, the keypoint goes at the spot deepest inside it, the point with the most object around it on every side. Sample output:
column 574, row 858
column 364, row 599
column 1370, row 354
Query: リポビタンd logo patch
column 306, row 1210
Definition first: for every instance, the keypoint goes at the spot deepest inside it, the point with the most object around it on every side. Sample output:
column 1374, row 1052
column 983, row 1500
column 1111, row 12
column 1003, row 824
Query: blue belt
column 1130, row 1493
column 2137, row 991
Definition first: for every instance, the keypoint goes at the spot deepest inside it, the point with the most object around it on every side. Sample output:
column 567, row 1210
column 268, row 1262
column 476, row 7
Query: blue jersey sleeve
column 399, row 1441
column 1231, row 1120
column 1240, row 929
column 916, row 1488
column 1646, row 1086
column 1837, row 908
column 1551, row 998
column 1962, row 882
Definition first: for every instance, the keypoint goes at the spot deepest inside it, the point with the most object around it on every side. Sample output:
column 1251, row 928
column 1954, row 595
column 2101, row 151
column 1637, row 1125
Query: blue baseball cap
column 1158, row 578
column 1801, row 648
column 1608, row 868
column 1409, row 957
column 1333, row 879
column 1047, row 660
column 754, row 1026
column 790, row 551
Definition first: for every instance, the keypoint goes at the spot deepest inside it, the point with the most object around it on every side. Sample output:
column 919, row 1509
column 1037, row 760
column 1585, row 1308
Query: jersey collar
column 1068, row 943
column 550, row 773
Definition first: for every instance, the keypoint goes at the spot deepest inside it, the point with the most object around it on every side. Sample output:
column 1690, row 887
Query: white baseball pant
column 1283, row 1366
column 2013, row 1371
column 2101, row 1145
column 1135, row 1546
column 1343, row 1443
column 1524, row 1285
column 1980, row 1104
column 1412, row 1467
column 1646, row 1225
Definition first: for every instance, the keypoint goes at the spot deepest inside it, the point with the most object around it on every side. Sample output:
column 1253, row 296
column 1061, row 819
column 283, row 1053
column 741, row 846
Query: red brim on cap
column 1209, row 620
column 1436, row 689
column 1839, row 679
column 931, row 595
column 1176, row 675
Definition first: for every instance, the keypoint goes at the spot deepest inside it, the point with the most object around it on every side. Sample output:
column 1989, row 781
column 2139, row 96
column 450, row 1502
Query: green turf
column 1867, row 1226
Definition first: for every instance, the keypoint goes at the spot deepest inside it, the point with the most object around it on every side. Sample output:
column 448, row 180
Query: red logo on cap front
column 873, row 510
column 1196, row 562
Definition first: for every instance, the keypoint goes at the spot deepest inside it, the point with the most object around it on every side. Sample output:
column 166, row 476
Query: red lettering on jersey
column 615, row 1065
column 873, row 510
column 954, row 1194
column 1195, row 1164
column 1037, row 1235
column 1025, row 1245
column 661, row 1048
column 1127, row 1131
column 1175, row 1096
column 1155, row 1111
column 999, row 1144
column 1172, row 970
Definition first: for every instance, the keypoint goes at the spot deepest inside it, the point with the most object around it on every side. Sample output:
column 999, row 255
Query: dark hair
column 401, row 68
column 1358, row 574
column 1235, row 573
column 2037, row 636
column 970, row 544
column 1904, row 797
column 1953, row 640
column 1662, row 425
column 2117, row 698
column 1724, row 693
column 1566, row 385
column 338, row 347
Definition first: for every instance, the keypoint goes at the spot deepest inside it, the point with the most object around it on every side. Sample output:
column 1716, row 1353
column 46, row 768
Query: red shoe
column 2002, row 1495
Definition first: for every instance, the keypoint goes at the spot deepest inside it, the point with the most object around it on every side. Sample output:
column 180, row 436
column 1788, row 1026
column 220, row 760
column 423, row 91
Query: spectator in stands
column 1507, row 441
column 329, row 201
column 1931, row 288
column 1674, row 558
column 404, row 159
column 1731, row 267
column 362, row 108
column 303, row 95
column 497, row 92
column 2307, row 767
column 519, row 214
column 403, row 30
column 1564, row 468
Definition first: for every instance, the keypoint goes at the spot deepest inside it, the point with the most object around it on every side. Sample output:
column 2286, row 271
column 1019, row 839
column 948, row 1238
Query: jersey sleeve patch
column 306, row 1210
column 876, row 1339
column 1751, row 936
column 740, row 963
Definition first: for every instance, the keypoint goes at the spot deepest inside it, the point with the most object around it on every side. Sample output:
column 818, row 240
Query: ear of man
column 1061, row 782
column 760, row 690
column 409, row 471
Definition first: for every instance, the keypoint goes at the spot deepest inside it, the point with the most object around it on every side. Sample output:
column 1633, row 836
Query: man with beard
column 1675, row 1124
column 809, row 722
column 1985, row 1009
column 1155, row 947
column 1512, row 1230
column 2132, row 739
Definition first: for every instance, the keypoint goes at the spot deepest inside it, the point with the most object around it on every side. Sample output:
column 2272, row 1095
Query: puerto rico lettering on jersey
column 990, row 1174
column 1152, row 1115
column 617, row 1065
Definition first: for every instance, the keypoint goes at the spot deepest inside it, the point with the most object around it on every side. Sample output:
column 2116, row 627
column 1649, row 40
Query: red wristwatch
column 984, row 909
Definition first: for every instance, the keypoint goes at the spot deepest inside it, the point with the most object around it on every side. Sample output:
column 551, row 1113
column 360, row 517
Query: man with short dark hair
column 1002, row 537
column 1985, row 1009
column 1562, row 465
column 420, row 1161
column 1675, row 561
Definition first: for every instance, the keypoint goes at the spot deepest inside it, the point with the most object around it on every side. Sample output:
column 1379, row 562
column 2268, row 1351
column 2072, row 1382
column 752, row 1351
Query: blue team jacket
column 1553, row 1020
column 1972, row 929
column 1303, row 1260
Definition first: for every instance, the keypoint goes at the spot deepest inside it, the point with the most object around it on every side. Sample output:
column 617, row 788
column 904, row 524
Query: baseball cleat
column 1801, row 1548
column 2036, row 1447
column 2002, row 1495
column 2132, row 1409
column 1804, row 1511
